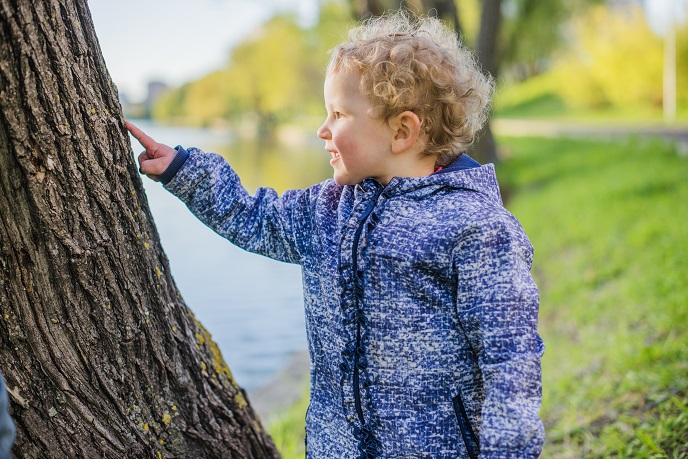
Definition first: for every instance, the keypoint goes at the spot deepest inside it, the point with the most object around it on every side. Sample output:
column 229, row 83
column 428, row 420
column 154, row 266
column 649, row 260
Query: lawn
column 609, row 222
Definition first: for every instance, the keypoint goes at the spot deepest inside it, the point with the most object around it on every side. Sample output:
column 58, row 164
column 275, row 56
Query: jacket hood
column 464, row 173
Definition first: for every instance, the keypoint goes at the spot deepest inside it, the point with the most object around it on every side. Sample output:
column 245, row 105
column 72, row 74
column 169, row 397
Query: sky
column 660, row 13
column 175, row 41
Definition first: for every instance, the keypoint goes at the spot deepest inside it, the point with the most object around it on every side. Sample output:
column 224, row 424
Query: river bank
column 285, row 389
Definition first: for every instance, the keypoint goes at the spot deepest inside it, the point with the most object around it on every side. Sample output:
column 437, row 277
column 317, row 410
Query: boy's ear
column 406, row 131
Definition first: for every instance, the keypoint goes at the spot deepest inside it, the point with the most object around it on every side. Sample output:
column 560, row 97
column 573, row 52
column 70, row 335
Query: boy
column 421, row 312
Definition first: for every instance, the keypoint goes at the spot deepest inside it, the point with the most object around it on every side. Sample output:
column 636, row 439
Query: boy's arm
column 262, row 224
column 497, row 302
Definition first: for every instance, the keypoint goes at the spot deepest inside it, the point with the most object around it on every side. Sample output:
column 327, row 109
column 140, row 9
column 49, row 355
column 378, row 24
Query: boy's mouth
column 335, row 155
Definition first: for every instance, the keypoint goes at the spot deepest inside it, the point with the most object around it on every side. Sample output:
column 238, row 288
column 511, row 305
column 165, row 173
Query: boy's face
column 359, row 144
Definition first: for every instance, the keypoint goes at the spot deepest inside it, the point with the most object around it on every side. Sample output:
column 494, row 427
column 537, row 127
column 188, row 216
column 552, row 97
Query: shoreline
column 283, row 390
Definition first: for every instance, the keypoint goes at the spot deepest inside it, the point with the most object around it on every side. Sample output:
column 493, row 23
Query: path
column 546, row 128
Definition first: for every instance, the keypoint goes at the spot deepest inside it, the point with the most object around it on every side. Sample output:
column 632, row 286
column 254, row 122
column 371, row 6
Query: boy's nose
column 324, row 132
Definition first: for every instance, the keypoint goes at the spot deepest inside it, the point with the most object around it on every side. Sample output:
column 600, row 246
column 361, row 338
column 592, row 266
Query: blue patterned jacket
column 421, row 312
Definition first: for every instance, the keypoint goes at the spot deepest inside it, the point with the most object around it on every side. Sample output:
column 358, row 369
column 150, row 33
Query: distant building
column 123, row 98
column 155, row 90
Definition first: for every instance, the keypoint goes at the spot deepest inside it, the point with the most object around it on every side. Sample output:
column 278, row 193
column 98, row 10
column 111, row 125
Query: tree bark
column 445, row 9
column 490, row 23
column 363, row 9
column 101, row 356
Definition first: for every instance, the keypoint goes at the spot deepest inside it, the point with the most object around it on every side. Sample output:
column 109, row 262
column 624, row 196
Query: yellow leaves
column 166, row 419
column 616, row 60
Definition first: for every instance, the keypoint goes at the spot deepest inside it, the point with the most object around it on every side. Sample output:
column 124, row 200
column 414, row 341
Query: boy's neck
column 409, row 164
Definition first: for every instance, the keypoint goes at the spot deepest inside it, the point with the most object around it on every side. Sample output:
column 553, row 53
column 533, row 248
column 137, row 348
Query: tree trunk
column 488, row 37
column 363, row 9
column 445, row 9
column 101, row 356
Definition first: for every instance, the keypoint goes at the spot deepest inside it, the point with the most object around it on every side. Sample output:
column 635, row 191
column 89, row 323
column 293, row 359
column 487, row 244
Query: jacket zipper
column 469, row 439
column 354, row 264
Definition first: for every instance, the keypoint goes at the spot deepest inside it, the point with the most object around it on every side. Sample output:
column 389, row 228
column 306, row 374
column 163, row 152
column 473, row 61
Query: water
column 252, row 306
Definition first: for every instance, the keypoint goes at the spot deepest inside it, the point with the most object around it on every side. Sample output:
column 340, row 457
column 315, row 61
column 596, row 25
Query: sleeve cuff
column 176, row 164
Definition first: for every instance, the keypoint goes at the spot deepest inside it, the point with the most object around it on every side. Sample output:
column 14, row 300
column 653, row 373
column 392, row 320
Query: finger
column 143, row 138
column 153, row 166
column 150, row 176
column 144, row 156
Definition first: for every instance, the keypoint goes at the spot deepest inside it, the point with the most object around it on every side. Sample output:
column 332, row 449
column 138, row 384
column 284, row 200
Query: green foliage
column 535, row 97
column 616, row 60
column 469, row 15
column 682, row 67
column 532, row 32
column 275, row 74
column 288, row 430
column 612, row 68
column 265, row 67
column 170, row 104
column 531, row 29
column 608, row 224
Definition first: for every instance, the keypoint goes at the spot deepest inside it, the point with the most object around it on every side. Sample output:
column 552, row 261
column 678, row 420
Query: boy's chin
column 343, row 181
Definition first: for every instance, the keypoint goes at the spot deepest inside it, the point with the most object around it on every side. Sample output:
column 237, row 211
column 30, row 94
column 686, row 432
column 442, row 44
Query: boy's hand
column 155, row 159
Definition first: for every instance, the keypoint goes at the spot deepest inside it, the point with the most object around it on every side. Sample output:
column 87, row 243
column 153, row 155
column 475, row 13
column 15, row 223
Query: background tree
column 366, row 8
column 446, row 9
column 488, row 39
column 101, row 356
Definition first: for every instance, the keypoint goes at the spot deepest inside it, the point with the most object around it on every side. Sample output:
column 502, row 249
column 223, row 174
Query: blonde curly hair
column 407, row 62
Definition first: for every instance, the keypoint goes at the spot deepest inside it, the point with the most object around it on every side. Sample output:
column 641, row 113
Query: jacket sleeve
column 264, row 223
column 497, row 303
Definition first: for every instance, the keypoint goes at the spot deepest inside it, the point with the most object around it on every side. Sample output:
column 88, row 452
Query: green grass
column 609, row 222
column 288, row 430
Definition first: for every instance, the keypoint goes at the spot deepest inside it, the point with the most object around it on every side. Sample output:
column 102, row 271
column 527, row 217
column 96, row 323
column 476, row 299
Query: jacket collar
column 462, row 162
column 464, row 173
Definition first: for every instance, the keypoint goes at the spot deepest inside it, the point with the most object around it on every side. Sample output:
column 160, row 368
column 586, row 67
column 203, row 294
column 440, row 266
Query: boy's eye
column 337, row 115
